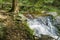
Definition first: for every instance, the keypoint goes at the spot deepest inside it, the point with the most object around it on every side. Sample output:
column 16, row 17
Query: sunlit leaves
column 1, row 1
column 48, row 1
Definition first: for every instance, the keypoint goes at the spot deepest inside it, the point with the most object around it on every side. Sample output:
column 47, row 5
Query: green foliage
column 28, row 29
column 2, row 31
column 1, row 1
column 32, row 5
column 48, row 1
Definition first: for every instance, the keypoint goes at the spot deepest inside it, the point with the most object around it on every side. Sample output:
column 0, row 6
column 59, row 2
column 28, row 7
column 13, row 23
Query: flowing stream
column 43, row 26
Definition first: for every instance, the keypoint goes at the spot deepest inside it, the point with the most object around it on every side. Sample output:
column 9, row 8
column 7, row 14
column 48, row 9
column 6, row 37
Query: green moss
column 27, row 28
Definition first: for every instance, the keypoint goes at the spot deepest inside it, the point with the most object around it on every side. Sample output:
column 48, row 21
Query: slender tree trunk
column 15, row 6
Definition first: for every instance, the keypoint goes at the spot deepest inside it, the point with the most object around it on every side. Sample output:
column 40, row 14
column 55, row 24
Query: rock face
column 46, row 37
column 58, row 19
column 52, row 13
column 57, row 23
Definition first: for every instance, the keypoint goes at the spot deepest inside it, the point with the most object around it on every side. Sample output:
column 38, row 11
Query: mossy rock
column 35, row 14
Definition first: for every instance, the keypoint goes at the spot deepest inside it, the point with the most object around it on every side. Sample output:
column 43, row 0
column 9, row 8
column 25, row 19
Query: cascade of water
column 42, row 25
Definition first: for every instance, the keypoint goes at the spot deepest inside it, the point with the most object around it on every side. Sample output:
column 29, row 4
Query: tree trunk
column 15, row 6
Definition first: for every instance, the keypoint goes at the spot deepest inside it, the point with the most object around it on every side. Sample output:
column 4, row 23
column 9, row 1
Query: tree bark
column 15, row 6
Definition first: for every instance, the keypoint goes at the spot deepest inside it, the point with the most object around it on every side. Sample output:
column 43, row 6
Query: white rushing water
column 43, row 25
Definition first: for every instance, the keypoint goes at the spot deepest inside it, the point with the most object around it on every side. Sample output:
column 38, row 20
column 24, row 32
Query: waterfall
column 43, row 26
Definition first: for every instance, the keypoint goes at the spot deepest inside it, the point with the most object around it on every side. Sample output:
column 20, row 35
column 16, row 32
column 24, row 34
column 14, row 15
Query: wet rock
column 58, row 19
column 22, row 17
column 52, row 13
